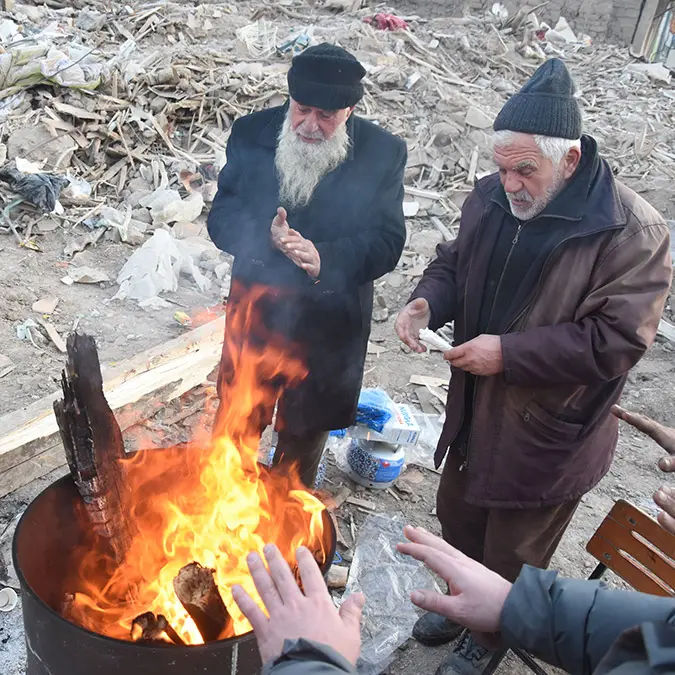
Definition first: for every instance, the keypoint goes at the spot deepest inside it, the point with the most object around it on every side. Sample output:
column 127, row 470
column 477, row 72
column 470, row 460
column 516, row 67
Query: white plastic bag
column 155, row 268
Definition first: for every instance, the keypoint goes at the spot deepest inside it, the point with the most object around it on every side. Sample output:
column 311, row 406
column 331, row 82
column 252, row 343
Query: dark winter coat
column 583, row 307
column 576, row 625
column 355, row 220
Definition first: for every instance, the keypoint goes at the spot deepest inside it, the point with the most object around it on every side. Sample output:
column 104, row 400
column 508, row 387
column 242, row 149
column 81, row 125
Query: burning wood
column 198, row 593
column 210, row 502
column 93, row 443
column 148, row 628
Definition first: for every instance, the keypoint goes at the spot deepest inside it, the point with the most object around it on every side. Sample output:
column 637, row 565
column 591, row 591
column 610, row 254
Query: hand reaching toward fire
column 294, row 246
column 293, row 614
column 665, row 437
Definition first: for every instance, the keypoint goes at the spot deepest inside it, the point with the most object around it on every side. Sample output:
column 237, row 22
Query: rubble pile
column 133, row 103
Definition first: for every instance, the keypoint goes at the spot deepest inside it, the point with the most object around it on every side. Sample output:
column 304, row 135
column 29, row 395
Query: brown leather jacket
column 542, row 432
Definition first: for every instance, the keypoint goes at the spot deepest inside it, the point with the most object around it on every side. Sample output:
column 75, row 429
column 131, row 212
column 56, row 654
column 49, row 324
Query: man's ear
column 350, row 111
column 571, row 162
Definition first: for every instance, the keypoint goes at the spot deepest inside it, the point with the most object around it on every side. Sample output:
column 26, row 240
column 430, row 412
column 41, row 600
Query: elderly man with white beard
column 555, row 285
column 310, row 205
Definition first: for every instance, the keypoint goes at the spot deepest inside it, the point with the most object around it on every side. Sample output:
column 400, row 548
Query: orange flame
column 209, row 502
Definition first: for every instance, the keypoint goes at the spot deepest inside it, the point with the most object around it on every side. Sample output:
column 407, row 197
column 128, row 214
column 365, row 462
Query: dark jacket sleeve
column 438, row 286
column 356, row 260
column 572, row 624
column 226, row 218
column 617, row 320
column 302, row 657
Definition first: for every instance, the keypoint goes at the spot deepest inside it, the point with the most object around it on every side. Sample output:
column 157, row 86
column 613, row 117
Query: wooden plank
column 646, row 526
column 430, row 381
column 648, row 556
column 639, row 578
column 73, row 111
column 426, row 194
column 34, row 468
column 29, row 439
column 634, row 546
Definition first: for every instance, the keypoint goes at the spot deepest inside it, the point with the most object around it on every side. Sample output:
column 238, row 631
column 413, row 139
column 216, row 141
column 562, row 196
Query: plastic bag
column 387, row 578
column 375, row 409
column 155, row 268
column 42, row 190
column 423, row 452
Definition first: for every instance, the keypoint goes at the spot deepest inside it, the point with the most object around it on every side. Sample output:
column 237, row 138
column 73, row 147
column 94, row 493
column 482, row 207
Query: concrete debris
column 478, row 119
column 87, row 275
column 90, row 20
column 6, row 365
column 656, row 72
column 46, row 305
column 425, row 242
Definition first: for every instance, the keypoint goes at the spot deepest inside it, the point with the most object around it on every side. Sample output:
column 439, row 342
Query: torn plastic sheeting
column 25, row 66
column 422, row 453
column 155, row 268
column 386, row 578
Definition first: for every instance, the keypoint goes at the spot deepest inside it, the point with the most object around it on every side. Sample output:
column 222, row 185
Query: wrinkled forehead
column 517, row 151
column 307, row 109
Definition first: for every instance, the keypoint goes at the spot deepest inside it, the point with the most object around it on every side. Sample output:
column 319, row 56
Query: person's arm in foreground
column 570, row 624
column 665, row 437
column 305, row 634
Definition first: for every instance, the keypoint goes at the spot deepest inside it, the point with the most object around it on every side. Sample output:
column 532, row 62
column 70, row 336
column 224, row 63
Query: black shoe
column 433, row 630
column 467, row 658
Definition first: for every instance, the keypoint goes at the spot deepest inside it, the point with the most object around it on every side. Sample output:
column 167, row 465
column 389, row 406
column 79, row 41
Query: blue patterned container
column 374, row 464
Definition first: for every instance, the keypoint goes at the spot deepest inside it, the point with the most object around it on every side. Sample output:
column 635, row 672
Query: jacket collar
column 590, row 198
column 270, row 132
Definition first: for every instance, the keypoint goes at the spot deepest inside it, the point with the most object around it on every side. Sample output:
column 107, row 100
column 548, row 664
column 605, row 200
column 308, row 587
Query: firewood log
column 148, row 628
column 198, row 593
column 93, row 443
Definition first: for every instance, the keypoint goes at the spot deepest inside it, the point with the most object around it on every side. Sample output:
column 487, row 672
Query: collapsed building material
column 30, row 445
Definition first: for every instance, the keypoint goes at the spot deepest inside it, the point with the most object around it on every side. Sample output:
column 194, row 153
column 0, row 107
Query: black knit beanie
column 326, row 77
column 545, row 105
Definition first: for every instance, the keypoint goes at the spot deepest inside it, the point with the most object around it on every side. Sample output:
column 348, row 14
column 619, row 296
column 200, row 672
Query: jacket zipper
column 514, row 241
column 528, row 307
column 468, row 274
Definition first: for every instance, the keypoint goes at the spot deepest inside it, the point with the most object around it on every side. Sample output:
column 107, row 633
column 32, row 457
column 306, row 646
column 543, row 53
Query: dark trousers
column 304, row 451
column 502, row 539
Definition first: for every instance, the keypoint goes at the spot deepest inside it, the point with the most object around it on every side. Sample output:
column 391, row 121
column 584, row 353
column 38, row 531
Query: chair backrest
column 635, row 547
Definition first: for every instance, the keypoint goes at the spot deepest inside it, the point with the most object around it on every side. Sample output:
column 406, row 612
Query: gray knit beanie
column 545, row 105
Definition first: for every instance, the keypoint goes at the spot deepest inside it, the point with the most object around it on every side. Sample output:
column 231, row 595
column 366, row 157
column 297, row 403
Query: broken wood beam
column 197, row 591
column 93, row 444
column 30, row 445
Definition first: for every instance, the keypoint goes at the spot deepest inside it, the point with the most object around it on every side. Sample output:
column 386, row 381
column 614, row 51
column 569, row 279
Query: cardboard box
column 401, row 429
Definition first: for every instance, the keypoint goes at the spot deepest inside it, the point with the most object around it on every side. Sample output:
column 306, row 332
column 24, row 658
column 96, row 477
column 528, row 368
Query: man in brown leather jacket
column 555, row 285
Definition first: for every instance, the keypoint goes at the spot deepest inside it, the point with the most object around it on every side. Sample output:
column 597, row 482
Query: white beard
column 300, row 165
column 540, row 203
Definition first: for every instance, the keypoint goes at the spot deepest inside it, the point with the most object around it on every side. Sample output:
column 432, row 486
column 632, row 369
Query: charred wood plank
column 93, row 443
column 150, row 629
column 196, row 589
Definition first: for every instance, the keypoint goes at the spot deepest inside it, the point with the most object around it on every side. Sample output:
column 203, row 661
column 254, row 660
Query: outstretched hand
column 664, row 497
column 477, row 595
column 410, row 321
column 293, row 614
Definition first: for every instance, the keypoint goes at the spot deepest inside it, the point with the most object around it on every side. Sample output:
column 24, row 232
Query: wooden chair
column 636, row 548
